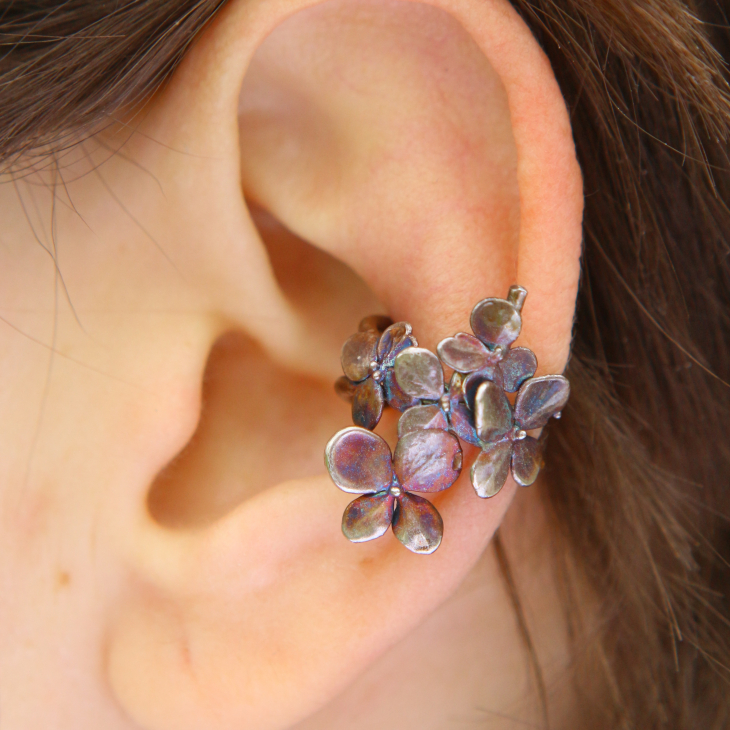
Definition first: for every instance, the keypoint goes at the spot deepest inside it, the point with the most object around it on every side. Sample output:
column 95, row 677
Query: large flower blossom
column 360, row 462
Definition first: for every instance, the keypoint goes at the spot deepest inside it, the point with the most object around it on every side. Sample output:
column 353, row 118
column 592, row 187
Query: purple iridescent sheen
column 417, row 524
column 496, row 322
column 367, row 404
column 539, row 399
column 359, row 461
column 427, row 461
column 368, row 517
column 419, row 418
column 526, row 460
column 491, row 469
column 419, row 373
column 516, row 367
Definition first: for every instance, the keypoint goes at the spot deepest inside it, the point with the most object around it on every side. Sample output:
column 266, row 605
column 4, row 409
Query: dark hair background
column 638, row 474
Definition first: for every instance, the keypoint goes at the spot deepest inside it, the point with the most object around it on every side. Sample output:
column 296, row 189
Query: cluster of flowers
column 384, row 365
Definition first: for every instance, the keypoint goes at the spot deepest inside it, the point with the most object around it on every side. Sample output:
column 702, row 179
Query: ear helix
column 384, row 366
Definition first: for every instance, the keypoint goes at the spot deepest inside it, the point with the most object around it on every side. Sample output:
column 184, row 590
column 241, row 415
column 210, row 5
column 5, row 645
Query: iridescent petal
column 357, row 354
column 394, row 396
column 496, row 322
column 345, row 388
column 539, row 399
column 368, row 517
column 427, row 461
column 367, row 404
column 472, row 382
column 462, row 422
column 417, row 524
column 375, row 323
column 395, row 339
column 359, row 461
column 527, row 460
column 492, row 412
column 421, row 418
column 463, row 353
column 518, row 365
column 491, row 469
column 419, row 373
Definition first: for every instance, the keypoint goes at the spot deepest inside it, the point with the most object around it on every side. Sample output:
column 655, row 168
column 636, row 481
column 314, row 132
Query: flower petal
column 462, row 422
column 427, row 461
column 419, row 373
column 518, row 365
column 421, row 418
column 368, row 517
column 375, row 323
column 345, row 388
column 492, row 412
column 417, row 524
column 463, row 353
column 394, row 396
column 491, row 469
column 496, row 322
column 359, row 461
column 539, row 399
column 395, row 339
column 527, row 460
column 367, row 404
column 357, row 354
column 472, row 382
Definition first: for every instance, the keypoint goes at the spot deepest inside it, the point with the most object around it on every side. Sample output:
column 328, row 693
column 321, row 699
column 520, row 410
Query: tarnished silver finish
column 417, row 524
column 419, row 418
column 464, row 353
column 393, row 341
column 368, row 517
column 419, row 373
column 367, row 404
column 491, row 469
column 384, row 365
column 367, row 361
column 516, row 296
column 496, row 321
column 357, row 354
column 516, row 367
column 492, row 412
column 526, row 460
column 539, row 399
column 427, row 461
column 359, row 461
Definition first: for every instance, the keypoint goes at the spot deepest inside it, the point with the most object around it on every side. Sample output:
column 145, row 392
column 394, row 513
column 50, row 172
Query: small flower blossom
column 502, row 431
column 487, row 355
column 367, row 361
column 419, row 373
column 360, row 462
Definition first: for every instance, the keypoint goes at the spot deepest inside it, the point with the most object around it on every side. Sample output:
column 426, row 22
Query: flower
column 367, row 361
column 359, row 461
column 502, row 431
column 419, row 373
column 487, row 356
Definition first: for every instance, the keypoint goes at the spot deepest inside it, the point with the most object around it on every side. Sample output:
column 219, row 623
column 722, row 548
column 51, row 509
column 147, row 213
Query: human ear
column 428, row 148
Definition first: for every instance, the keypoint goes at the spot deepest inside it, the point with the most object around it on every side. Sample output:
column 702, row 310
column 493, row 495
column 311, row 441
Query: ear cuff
column 384, row 366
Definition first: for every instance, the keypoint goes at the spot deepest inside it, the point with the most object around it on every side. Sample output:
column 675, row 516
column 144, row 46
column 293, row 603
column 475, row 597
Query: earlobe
column 428, row 149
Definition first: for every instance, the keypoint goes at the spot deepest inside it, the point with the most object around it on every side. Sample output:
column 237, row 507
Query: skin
column 171, row 550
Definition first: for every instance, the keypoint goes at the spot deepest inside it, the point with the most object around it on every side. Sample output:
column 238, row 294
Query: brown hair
column 637, row 477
